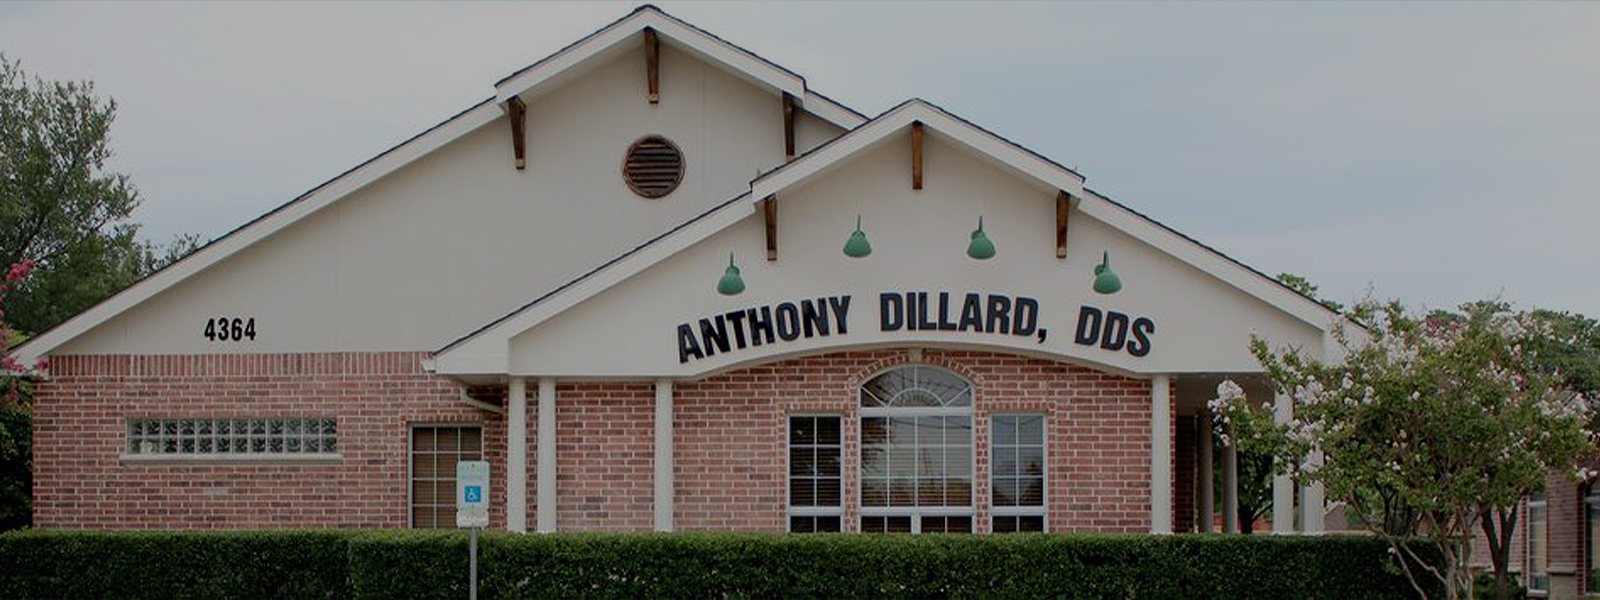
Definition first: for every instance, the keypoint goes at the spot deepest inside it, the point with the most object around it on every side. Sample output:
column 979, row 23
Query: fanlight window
column 916, row 452
column 916, row 387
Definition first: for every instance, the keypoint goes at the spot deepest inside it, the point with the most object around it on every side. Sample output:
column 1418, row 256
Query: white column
column 1208, row 504
column 663, row 458
column 1230, row 486
column 1282, row 484
column 1160, row 454
column 1313, row 502
column 517, row 455
column 547, row 455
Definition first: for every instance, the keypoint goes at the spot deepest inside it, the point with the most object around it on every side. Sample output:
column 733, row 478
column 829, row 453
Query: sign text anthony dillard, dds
column 996, row 314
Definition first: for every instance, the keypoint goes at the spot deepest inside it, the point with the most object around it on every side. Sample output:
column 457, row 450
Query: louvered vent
column 653, row 167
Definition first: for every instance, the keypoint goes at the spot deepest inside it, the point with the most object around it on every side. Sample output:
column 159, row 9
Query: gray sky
column 1435, row 152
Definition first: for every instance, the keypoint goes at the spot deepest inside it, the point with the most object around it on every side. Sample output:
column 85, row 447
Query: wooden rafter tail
column 769, row 212
column 517, row 111
column 788, row 127
column 916, row 155
column 652, row 64
column 1063, row 207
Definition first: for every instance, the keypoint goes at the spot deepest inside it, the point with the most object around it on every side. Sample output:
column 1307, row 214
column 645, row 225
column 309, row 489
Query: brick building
column 579, row 281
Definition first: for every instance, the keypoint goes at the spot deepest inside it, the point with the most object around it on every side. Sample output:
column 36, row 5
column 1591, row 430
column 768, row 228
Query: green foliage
column 16, row 477
column 162, row 565
column 1307, row 289
column 1433, row 425
column 1483, row 588
column 415, row 564
column 418, row 564
column 59, row 207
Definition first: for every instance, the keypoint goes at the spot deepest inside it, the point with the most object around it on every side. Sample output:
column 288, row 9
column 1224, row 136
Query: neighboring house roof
column 531, row 80
column 488, row 344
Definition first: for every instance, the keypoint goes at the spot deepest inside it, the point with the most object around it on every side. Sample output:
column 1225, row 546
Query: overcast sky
column 1435, row 152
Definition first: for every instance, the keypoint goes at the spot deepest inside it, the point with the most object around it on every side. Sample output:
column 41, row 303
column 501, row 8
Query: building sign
column 971, row 312
column 472, row 493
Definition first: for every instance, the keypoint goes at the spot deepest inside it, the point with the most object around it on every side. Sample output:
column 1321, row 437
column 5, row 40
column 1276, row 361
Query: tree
column 59, row 208
column 66, row 219
column 1436, row 427
column 1307, row 289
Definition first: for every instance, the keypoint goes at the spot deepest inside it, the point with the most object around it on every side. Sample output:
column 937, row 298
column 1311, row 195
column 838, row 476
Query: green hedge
column 159, row 565
column 414, row 564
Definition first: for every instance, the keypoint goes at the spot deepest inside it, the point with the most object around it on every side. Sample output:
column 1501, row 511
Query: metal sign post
column 472, row 512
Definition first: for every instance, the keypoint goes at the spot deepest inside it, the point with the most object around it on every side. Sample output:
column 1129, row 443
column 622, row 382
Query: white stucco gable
column 1196, row 308
column 441, row 233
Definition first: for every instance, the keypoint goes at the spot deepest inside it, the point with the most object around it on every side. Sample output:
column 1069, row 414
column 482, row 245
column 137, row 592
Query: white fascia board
column 339, row 187
column 697, row 42
column 833, row 112
column 892, row 123
column 1208, row 261
column 488, row 351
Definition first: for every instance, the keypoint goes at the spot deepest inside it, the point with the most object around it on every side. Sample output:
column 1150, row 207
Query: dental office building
column 660, row 283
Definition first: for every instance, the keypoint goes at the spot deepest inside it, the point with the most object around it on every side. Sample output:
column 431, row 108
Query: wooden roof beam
column 652, row 64
column 916, row 155
column 518, row 114
column 788, row 127
column 1063, row 207
column 769, row 213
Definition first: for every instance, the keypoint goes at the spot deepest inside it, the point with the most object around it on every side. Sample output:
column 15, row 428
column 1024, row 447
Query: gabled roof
column 486, row 348
column 621, row 35
column 541, row 74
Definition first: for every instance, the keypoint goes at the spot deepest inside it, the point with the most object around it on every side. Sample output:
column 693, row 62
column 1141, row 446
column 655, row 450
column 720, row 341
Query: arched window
column 916, row 451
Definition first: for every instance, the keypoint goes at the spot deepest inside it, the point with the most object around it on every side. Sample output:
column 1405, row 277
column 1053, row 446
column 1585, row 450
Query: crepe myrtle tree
column 1429, row 427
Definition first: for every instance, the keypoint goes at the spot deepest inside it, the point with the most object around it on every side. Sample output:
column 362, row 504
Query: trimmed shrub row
column 415, row 564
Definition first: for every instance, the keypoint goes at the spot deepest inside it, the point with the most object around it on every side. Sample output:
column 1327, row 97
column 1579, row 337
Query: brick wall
column 80, row 417
column 731, row 441
column 730, row 471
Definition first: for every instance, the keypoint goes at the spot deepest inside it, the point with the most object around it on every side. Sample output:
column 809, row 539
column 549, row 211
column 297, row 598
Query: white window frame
column 1043, row 509
column 812, row 511
column 1543, row 503
column 133, row 451
column 411, row 447
column 916, row 513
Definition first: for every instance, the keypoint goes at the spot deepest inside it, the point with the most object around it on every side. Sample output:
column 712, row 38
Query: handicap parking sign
column 474, row 494
column 472, row 491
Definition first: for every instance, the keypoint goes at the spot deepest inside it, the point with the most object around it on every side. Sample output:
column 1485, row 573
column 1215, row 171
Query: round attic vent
column 653, row 166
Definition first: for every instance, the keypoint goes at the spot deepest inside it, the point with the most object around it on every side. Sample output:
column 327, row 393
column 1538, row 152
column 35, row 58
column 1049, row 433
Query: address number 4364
column 235, row 329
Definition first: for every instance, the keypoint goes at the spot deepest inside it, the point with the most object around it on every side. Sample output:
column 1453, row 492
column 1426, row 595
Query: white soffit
column 625, row 33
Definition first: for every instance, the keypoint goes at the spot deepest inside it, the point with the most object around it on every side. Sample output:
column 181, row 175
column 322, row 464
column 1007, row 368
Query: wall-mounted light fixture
column 857, row 246
column 980, row 248
column 731, row 283
column 1106, row 280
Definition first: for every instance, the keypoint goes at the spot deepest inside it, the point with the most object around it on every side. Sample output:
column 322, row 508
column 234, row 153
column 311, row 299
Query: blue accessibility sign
column 473, row 494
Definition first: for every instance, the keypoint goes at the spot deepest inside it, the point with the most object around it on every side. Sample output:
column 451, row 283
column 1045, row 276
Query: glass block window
column 234, row 437
column 435, row 450
column 816, row 456
column 916, row 452
column 1016, row 473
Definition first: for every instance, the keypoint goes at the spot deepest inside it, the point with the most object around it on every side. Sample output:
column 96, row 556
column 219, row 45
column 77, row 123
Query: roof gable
column 487, row 348
column 542, row 75
column 624, row 34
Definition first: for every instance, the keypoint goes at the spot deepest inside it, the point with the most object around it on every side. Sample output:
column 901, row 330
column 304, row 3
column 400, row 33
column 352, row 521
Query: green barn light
column 1106, row 280
column 731, row 283
column 980, row 248
column 857, row 246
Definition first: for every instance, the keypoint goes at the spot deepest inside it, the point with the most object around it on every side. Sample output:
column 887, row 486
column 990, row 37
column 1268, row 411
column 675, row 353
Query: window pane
column 1538, row 544
column 828, row 462
column 802, row 431
column 802, row 461
column 1030, row 430
column 874, row 431
column 1033, row 523
column 828, row 431
column 1005, row 431
column 1030, row 492
column 802, row 492
column 874, row 492
column 828, row 524
column 828, row 492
